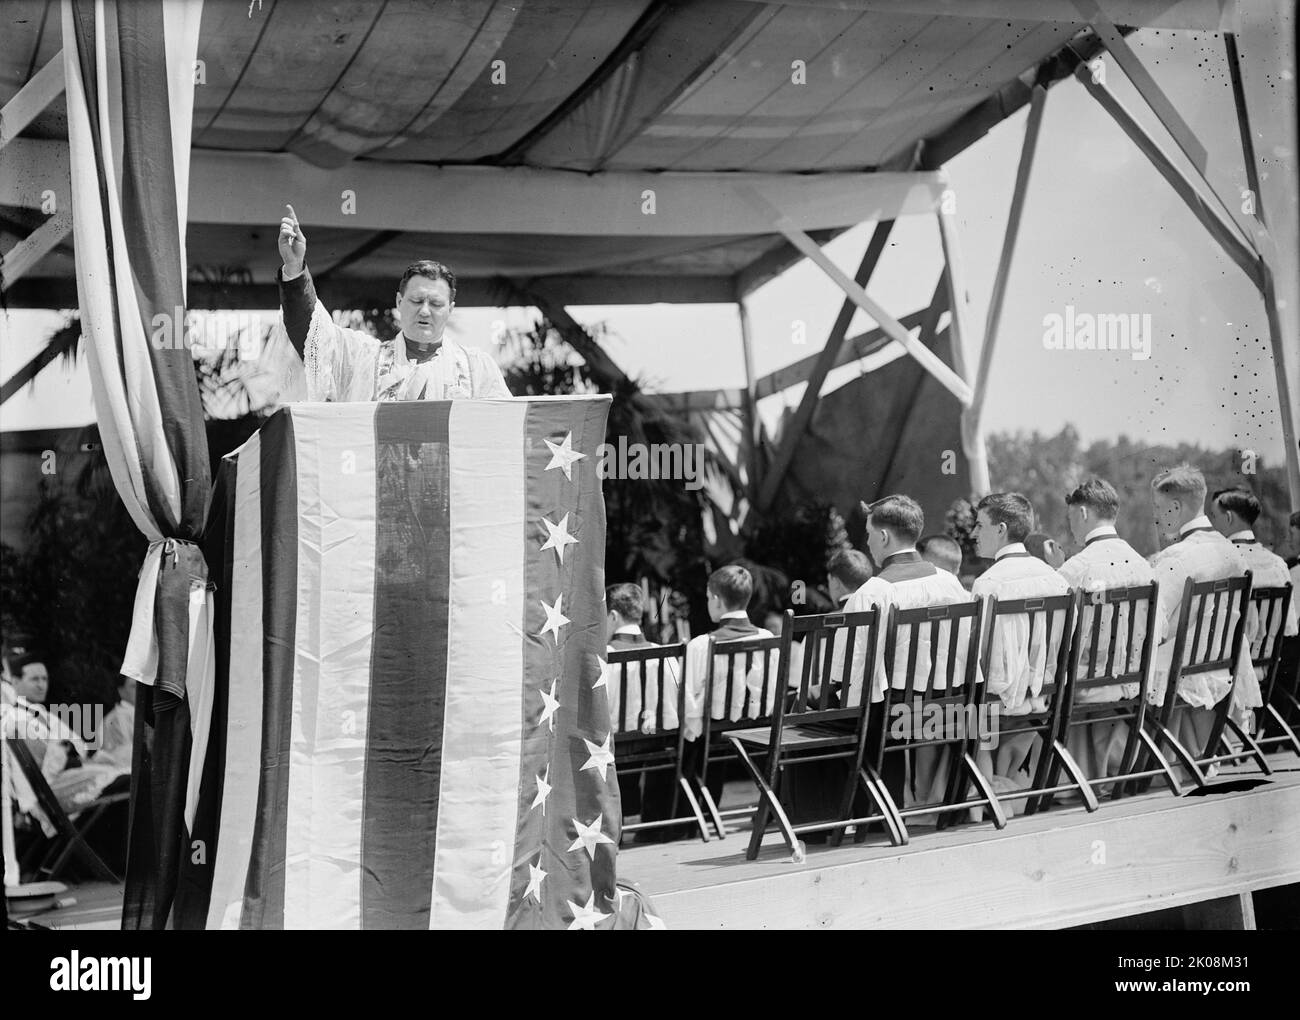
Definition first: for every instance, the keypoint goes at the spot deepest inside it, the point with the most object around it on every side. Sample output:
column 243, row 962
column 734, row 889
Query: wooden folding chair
column 823, row 719
column 69, row 838
column 1111, row 646
column 1050, row 627
column 1271, row 604
column 744, row 698
column 1206, row 610
column 934, row 686
column 655, row 673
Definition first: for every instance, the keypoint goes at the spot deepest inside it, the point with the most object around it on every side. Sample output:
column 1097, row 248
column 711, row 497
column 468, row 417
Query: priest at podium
column 420, row 363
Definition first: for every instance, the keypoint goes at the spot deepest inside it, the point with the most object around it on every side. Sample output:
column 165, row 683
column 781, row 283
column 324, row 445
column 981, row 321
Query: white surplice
column 641, row 717
column 697, row 669
column 1017, row 668
column 1202, row 554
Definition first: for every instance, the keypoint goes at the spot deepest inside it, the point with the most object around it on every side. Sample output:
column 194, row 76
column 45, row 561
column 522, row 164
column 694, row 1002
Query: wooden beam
column 534, row 293
column 1220, row 230
column 34, row 247
column 972, row 423
column 61, row 342
column 795, row 427
column 1284, row 356
column 45, row 86
column 804, row 243
column 374, row 292
column 1146, row 86
column 371, row 245
column 853, row 349
column 750, row 447
column 235, row 188
column 769, row 266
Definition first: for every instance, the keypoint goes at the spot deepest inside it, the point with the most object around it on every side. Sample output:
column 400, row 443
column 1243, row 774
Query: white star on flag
column 559, row 536
column 554, row 618
column 564, row 455
column 543, row 790
column 585, row 918
column 603, row 667
column 589, row 836
column 601, row 756
column 535, row 876
column 550, row 705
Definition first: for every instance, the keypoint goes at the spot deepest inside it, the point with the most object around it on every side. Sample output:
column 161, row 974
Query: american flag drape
column 409, row 727
column 130, row 94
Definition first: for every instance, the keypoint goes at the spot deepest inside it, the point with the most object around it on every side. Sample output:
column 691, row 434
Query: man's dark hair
column 1036, row 544
column 900, row 515
column 1295, row 519
column 1241, row 502
column 1099, row 496
column 16, row 662
column 1011, row 509
column 850, row 567
column 734, row 585
column 430, row 270
column 628, row 600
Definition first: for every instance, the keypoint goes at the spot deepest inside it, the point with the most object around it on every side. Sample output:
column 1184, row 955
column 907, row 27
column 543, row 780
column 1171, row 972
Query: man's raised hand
column 293, row 245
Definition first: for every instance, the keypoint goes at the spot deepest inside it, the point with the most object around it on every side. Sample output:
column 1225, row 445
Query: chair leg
column 716, row 818
column 1153, row 752
column 1288, row 734
column 986, row 791
column 1184, row 756
column 1249, row 748
column 1064, row 757
column 766, row 797
column 846, row 807
column 879, row 793
column 695, row 808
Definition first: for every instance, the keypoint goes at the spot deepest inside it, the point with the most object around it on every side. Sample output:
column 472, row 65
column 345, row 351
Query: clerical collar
column 1010, row 550
column 1100, row 533
column 735, row 614
column 1246, row 537
column 629, row 628
column 416, row 353
column 902, row 556
column 1201, row 523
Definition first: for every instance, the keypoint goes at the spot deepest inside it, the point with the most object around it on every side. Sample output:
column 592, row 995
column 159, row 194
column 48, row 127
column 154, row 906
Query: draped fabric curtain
column 130, row 94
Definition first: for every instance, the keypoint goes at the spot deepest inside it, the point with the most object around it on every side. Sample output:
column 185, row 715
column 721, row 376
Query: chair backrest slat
column 1224, row 601
column 656, row 671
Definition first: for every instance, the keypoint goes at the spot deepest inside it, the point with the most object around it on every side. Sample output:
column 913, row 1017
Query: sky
column 1102, row 232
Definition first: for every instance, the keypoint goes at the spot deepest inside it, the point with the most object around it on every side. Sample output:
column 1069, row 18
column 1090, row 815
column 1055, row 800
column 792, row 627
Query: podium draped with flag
column 409, row 727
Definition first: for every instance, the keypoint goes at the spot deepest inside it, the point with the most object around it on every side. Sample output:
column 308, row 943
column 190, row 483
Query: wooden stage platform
column 1061, row 869
column 1198, row 857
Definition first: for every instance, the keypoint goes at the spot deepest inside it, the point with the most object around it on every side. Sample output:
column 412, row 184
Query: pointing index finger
column 293, row 215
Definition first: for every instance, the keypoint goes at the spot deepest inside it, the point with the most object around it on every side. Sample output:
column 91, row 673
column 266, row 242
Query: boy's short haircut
column 1183, row 482
column 850, row 567
column 1011, row 509
column 900, row 515
column 1241, row 502
column 1099, row 496
column 941, row 550
column 734, row 585
column 628, row 600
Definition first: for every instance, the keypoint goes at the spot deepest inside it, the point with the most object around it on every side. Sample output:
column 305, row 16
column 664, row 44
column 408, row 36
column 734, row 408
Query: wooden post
column 1284, row 356
column 753, row 428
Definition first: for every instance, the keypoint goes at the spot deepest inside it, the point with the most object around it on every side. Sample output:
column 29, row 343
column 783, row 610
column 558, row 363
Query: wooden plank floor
column 1060, row 869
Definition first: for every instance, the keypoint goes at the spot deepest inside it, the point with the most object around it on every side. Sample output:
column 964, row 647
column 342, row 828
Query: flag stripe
column 408, row 662
column 479, row 796
column 336, row 545
column 153, row 246
column 243, row 729
column 264, row 888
